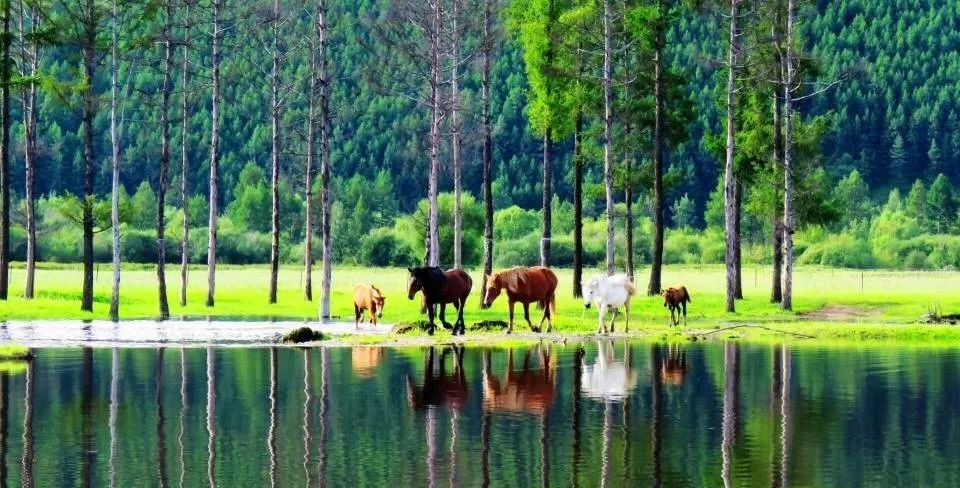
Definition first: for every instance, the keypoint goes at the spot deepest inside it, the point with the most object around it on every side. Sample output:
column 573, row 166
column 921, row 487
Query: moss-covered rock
column 301, row 335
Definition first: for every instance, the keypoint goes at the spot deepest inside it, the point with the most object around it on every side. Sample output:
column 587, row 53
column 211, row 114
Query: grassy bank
column 828, row 302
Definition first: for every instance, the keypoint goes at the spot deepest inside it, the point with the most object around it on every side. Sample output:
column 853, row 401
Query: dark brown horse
column 525, row 285
column 676, row 299
column 440, row 288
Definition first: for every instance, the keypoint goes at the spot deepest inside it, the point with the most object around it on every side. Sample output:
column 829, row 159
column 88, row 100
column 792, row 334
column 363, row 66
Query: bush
column 841, row 250
column 382, row 248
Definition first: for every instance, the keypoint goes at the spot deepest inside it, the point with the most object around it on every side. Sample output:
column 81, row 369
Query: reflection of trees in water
column 183, row 414
column 575, row 415
column 307, row 404
column 211, row 418
column 786, row 414
column 86, row 414
column 112, row 420
column 26, row 462
column 731, row 393
column 272, row 429
column 656, row 414
column 161, row 433
column 4, row 424
column 780, row 416
column 324, row 414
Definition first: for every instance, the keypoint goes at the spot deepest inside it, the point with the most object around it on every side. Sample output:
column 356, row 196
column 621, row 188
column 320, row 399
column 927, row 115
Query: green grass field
column 828, row 302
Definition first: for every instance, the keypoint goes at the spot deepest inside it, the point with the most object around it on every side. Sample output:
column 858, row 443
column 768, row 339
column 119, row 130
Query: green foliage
column 383, row 248
column 683, row 212
column 941, row 204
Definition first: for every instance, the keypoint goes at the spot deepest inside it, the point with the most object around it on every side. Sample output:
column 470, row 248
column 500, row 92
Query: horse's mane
column 431, row 278
column 375, row 292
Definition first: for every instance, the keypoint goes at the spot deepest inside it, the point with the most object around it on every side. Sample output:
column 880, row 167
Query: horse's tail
column 631, row 289
column 686, row 294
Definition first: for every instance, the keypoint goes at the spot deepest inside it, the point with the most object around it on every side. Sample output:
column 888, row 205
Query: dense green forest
column 877, row 137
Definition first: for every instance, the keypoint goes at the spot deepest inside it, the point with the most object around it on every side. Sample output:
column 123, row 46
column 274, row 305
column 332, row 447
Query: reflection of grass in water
column 14, row 351
column 13, row 367
column 899, row 298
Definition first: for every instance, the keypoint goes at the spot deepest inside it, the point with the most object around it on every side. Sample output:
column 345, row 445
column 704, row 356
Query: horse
column 367, row 297
column 525, row 285
column 676, row 299
column 609, row 293
column 440, row 288
column 607, row 378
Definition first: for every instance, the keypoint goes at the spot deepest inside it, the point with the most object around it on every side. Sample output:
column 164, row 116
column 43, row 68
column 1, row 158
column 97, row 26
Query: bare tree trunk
column 29, row 58
column 5, row 154
column 275, row 155
column 547, row 230
column 214, row 156
column 738, row 256
column 787, row 302
column 578, row 205
column 729, row 178
column 628, row 224
column 326, row 214
column 433, row 249
column 776, row 291
column 89, row 112
column 308, row 180
column 659, row 133
column 487, row 150
column 185, row 163
column 115, row 164
column 164, row 167
column 608, row 135
column 455, row 134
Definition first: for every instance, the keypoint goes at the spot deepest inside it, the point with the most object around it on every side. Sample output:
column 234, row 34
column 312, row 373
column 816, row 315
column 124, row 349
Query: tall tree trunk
column 729, row 178
column 608, row 135
column 433, row 229
column 659, row 133
column 776, row 291
column 731, row 394
column 214, row 156
column 738, row 256
column 547, row 229
column 325, row 211
column 115, row 165
column 164, row 166
column 487, row 149
column 5, row 64
column 628, row 226
column 29, row 58
column 308, row 180
column 787, row 302
column 455, row 135
column 185, row 161
column 275, row 155
column 578, row 205
column 89, row 112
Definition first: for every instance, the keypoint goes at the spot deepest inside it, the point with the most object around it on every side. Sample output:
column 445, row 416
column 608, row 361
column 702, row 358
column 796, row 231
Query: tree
column 29, row 66
column 487, row 49
column 216, row 36
column 659, row 134
column 608, row 133
column 941, row 204
column 325, row 210
column 276, row 104
column 853, row 194
column 683, row 212
column 730, row 182
column 184, row 156
column 165, row 91
column 788, row 218
column 899, row 165
column 456, row 35
column 916, row 205
column 5, row 79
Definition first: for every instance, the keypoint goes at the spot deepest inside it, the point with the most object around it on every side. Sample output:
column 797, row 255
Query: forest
column 480, row 132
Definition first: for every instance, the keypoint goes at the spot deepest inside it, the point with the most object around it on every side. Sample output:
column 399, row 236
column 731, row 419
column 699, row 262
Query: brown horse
column 367, row 297
column 676, row 299
column 525, row 285
column 440, row 288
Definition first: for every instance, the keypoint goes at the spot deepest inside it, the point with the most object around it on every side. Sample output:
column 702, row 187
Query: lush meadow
column 829, row 302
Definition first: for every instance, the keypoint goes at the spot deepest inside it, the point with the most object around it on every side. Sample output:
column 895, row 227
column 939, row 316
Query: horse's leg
column 463, row 324
column 626, row 309
column 684, row 314
column 356, row 316
column 510, row 324
column 526, row 315
column 613, row 319
column 431, row 313
column 443, row 317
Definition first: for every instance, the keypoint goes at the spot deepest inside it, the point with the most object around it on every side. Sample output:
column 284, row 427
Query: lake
column 607, row 414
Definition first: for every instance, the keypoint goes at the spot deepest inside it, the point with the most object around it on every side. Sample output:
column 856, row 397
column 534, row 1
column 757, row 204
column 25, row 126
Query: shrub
column 382, row 248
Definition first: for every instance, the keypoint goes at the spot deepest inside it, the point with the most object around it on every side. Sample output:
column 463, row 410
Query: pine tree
column 899, row 163
column 941, row 204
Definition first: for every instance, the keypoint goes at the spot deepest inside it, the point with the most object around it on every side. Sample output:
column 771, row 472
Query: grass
column 829, row 303
column 10, row 352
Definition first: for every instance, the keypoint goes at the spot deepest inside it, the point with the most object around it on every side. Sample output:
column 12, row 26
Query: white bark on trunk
column 214, row 157
column 788, row 217
column 29, row 55
column 115, row 164
column 275, row 155
column 433, row 232
column 455, row 134
column 185, row 164
column 729, row 178
column 325, row 210
column 608, row 136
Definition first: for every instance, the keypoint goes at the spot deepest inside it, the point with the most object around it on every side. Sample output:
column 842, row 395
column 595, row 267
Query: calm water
column 610, row 415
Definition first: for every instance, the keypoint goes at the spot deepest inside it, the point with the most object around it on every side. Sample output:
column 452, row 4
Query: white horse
column 609, row 293
column 607, row 378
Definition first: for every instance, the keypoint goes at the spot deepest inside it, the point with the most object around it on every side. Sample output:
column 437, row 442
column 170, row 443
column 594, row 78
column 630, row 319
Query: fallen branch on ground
column 805, row 336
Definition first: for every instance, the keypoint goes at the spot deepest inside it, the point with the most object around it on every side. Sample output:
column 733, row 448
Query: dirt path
column 840, row 313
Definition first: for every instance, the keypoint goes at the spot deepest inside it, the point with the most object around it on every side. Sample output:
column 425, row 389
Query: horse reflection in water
column 530, row 390
column 440, row 390
column 607, row 378
column 365, row 360
column 674, row 369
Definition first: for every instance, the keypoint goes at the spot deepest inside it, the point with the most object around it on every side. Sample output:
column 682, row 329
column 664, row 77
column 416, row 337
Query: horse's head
column 378, row 301
column 415, row 283
column 589, row 290
column 493, row 291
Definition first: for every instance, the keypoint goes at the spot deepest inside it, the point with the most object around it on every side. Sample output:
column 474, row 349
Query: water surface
column 609, row 414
